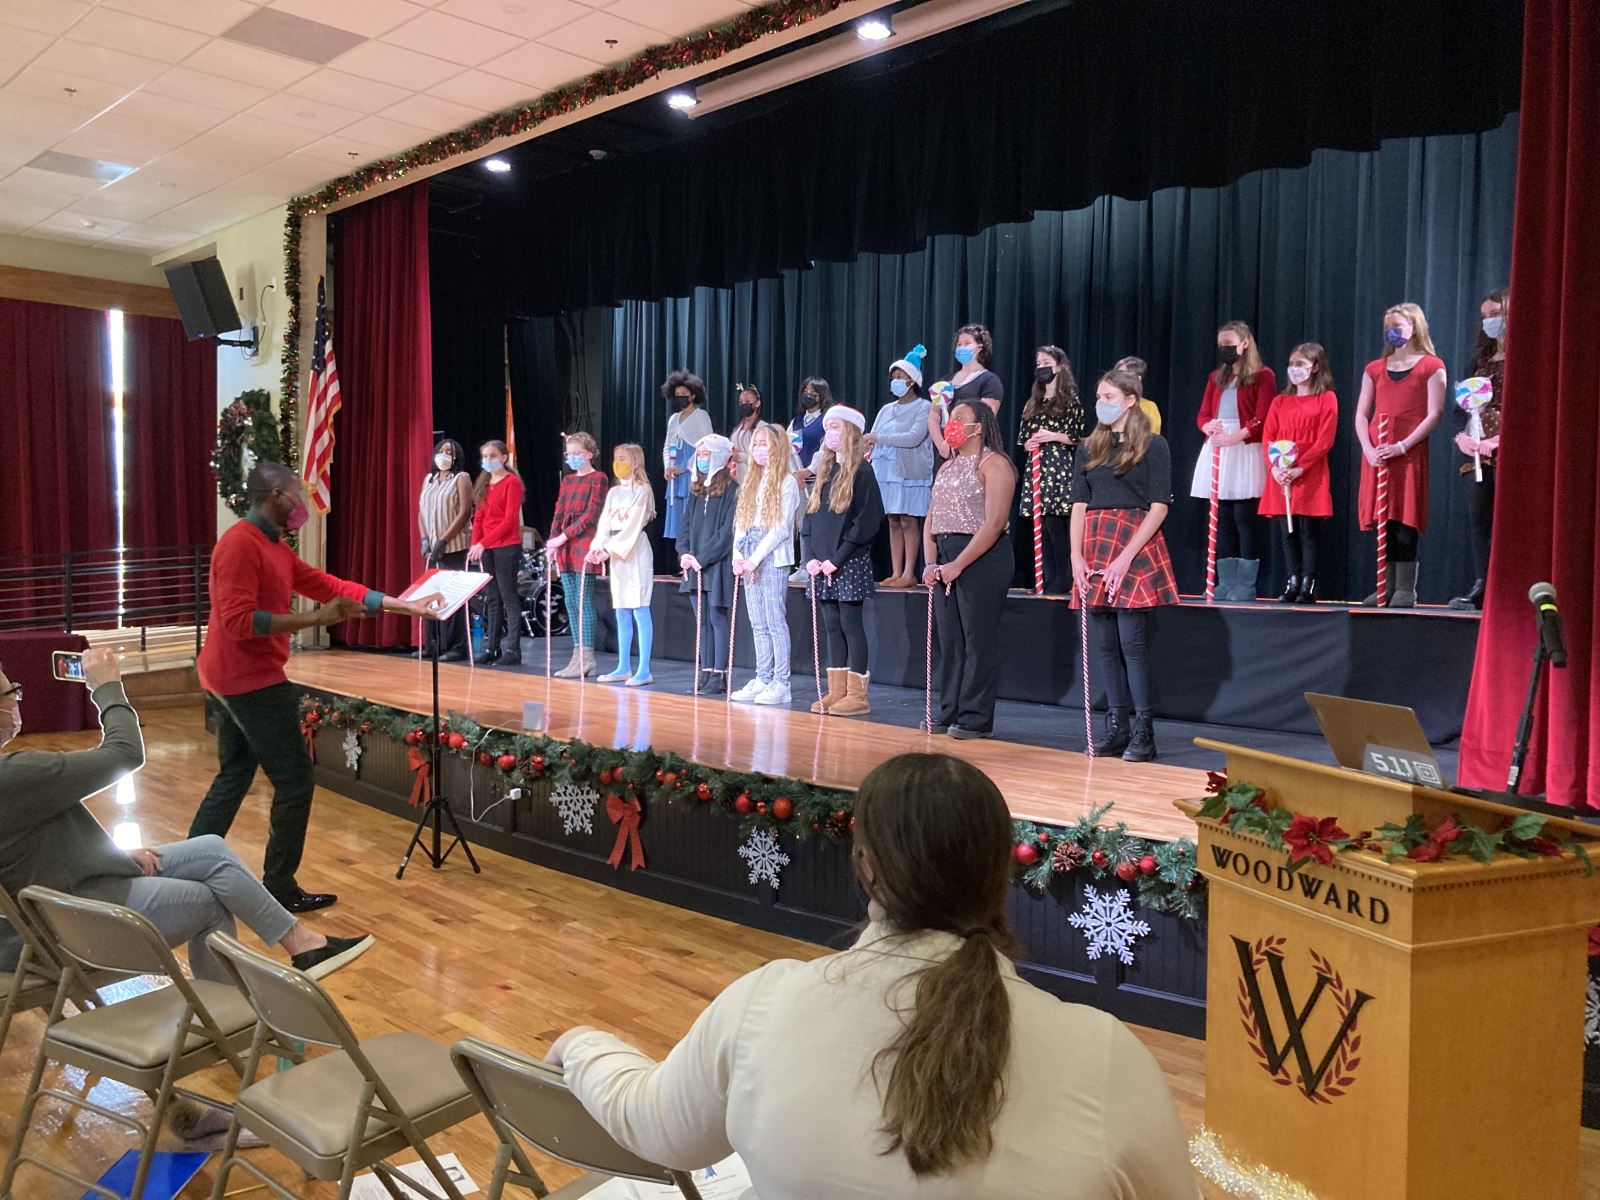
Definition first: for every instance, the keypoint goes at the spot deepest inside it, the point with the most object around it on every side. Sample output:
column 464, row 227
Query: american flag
column 321, row 403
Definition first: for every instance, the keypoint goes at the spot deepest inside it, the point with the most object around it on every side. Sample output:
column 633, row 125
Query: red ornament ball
column 1148, row 865
column 485, row 758
column 742, row 803
column 444, row 738
column 1127, row 869
column 338, row 715
column 703, row 791
column 783, row 808
column 458, row 741
column 537, row 762
column 669, row 777
column 1026, row 854
column 412, row 737
column 841, row 816
column 1043, row 837
column 1098, row 858
column 507, row 762
column 661, row 776
column 366, row 727
column 761, row 807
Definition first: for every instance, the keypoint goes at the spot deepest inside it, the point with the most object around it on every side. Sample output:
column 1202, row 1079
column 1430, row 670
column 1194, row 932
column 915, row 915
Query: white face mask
column 443, row 461
column 13, row 725
column 1298, row 374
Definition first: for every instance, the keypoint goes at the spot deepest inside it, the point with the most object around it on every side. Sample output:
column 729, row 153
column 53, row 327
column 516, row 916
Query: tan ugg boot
column 855, row 702
column 838, row 686
column 570, row 671
column 587, row 667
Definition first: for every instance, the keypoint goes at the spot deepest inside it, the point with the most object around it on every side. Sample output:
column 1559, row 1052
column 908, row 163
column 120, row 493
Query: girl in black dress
column 1052, row 424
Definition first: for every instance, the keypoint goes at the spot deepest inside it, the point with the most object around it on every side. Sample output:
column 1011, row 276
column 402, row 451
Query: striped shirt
column 438, row 508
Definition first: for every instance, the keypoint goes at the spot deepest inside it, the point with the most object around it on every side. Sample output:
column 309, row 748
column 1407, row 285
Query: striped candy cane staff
column 549, row 633
column 1383, row 515
column 583, row 578
column 699, row 610
column 1211, row 524
column 927, row 677
column 816, row 642
column 733, row 626
column 1036, row 470
column 1083, row 629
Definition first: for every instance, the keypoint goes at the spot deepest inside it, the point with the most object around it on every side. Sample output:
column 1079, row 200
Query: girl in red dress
column 1406, row 388
column 1307, row 415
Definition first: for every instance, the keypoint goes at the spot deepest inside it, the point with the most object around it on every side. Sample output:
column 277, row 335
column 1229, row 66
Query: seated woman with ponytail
column 915, row 1064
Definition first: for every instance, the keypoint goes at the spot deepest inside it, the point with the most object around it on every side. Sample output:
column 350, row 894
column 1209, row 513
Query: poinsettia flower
column 1594, row 941
column 1428, row 851
column 1216, row 782
column 1448, row 831
column 1543, row 845
column 1308, row 837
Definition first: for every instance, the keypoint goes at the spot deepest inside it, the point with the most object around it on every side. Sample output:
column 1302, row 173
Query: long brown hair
column 1484, row 347
column 1321, row 373
column 480, row 489
column 849, row 462
column 1243, row 372
column 934, row 834
column 1066, row 397
column 1136, row 431
column 761, row 494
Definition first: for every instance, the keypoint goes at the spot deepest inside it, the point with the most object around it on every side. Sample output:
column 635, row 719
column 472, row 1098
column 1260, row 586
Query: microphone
column 1543, row 596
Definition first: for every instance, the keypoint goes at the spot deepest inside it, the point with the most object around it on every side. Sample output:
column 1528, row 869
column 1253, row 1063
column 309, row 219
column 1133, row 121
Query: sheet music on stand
column 726, row 1180
column 457, row 587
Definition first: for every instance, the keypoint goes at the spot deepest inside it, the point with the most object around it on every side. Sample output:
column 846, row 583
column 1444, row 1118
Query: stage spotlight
column 498, row 166
column 877, row 28
column 682, row 99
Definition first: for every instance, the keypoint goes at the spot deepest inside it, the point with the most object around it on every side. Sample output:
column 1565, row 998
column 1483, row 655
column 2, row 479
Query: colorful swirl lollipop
column 1282, row 454
column 942, row 392
column 1471, row 396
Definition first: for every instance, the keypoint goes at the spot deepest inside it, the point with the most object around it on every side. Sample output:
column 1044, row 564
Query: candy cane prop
column 816, row 643
column 733, row 625
column 549, row 587
column 699, row 613
column 1083, row 631
column 1036, row 470
column 1383, row 515
column 583, row 578
column 1282, row 455
column 1211, row 523
column 1471, row 396
column 927, row 677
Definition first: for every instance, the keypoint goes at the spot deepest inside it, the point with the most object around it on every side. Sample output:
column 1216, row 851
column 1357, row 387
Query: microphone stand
column 1519, row 748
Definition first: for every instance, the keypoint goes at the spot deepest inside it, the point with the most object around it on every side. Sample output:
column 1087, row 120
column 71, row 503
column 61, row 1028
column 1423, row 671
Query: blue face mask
column 1107, row 412
column 492, row 465
column 1396, row 337
column 575, row 462
column 703, row 465
column 899, row 387
column 965, row 354
column 1493, row 327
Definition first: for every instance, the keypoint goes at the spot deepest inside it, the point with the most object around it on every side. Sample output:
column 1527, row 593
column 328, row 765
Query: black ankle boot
column 1291, row 590
column 1472, row 601
column 1115, row 734
column 487, row 658
column 1308, row 591
column 714, row 684
column 1142, row 745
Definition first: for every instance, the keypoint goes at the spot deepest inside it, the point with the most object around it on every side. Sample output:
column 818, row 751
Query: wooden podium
column 1394, row 1031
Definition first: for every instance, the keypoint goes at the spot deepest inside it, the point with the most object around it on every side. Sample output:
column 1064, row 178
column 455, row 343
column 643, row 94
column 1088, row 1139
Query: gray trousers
column 201, row 887
column 766, row 594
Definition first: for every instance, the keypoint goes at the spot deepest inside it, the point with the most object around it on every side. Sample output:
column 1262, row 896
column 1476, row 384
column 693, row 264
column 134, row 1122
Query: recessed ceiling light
column 597, row 154
column 306, row 114
column 682, row 99
column 877, row 28
column 497, row 165
column 88, row 224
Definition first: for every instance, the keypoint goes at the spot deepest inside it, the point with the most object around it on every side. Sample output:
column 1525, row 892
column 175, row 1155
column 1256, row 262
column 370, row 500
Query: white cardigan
column 779, row 1069
column 776, row 547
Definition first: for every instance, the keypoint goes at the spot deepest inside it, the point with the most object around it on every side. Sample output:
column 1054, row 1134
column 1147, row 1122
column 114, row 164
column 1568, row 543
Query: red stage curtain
column 383, row 343
column 1548, row 497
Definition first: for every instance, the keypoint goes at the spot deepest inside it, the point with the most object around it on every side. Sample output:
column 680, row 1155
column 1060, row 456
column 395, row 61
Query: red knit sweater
column 498, row 520
column 1254, row 401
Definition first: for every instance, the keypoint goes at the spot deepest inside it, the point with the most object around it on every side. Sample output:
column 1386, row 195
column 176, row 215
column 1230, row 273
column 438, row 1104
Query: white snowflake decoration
column 764, row 856
column 575, row 805
column 352, row 750
column 1591, row 1013
column 1107, row 920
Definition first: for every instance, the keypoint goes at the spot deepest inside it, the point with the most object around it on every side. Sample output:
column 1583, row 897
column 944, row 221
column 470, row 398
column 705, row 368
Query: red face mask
column 955, row 433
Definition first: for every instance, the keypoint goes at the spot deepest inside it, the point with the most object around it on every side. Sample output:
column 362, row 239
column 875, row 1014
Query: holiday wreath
column 246, row 424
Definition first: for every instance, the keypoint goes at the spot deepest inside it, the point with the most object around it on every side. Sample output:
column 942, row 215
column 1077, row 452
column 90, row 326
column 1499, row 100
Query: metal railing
column 132, row 588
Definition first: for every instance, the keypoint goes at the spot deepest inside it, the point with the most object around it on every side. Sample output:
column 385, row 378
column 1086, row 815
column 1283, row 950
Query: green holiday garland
column 1162, row 875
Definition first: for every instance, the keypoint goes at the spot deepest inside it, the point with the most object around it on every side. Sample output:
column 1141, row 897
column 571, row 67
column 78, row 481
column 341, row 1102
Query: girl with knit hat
column 843, row 516
column 904, row 467
column 763, row 551
column 705, row 552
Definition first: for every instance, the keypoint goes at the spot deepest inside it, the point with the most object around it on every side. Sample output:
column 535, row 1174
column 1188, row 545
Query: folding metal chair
column 148, row 1042
column 528, row 1099
column 39, row 970
column 338, row 1113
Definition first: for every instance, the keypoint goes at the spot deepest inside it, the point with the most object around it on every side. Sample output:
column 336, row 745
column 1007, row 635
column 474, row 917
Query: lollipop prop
column 1471, row 396
column 942, row 393
column 1282, row 455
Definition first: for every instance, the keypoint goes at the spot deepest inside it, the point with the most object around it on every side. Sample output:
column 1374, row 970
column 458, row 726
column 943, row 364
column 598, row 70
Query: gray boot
column 1372, row 597
column 1249, row 575
column 1404, row 592
column 574, row 665
column 1236, row 579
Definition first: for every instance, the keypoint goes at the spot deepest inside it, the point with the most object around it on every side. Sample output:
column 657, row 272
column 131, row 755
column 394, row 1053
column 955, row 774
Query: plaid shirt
column 578, row 507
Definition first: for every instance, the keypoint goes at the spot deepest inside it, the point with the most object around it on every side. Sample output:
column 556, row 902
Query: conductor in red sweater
column 254, row 573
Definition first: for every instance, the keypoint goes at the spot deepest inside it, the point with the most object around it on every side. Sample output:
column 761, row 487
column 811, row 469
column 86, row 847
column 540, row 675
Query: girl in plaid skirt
column 1122, row 490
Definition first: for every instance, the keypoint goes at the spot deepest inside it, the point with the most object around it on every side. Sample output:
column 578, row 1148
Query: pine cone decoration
column 1067, row 857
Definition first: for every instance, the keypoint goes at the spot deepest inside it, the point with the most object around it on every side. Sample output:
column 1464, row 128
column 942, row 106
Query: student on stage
column 763, row 551
column 903, row 465
column 1406, row 387
column 936, row 1070
column 689, row 422
column 444, row 520
column 1053, row 424
column 497, row 544
column 805, row 435
column 705, row 552
column 1120, row 497
column 1488, row 362
column 1307, row 415
column 843, row 515
column 578, row 505
column 970, row 563
column 1137, row 368
column 973, row 380
column 1237, row 396
column 621, row 542
column 748, row 399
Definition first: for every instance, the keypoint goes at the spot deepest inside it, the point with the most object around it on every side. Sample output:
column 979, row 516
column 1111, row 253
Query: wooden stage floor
column 1039, row 784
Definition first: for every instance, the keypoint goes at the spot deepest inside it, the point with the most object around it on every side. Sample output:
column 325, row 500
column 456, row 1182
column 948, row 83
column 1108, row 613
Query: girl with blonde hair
column 763, row 553
column 621, row 541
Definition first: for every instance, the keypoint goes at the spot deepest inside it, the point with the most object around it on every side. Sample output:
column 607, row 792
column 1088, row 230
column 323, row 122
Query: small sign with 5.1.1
column 1409, row 766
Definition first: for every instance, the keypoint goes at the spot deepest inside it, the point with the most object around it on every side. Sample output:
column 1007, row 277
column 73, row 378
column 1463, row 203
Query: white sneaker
column 799, row 575
column 774, row 693
column 749, row 691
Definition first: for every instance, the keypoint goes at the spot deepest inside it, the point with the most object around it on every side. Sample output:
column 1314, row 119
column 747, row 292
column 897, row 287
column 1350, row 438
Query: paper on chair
column 726, row 1180
column 367, row 1187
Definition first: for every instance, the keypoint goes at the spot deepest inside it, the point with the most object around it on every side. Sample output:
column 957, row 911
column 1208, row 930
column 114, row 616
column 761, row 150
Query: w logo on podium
column 1321, row 1074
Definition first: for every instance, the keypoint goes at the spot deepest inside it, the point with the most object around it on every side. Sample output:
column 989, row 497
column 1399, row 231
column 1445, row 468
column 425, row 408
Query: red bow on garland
column 625, row 814
column 310, row 732
column 422, row 785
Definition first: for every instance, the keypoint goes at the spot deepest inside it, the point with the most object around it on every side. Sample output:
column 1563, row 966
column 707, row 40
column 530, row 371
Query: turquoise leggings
column 647, row 632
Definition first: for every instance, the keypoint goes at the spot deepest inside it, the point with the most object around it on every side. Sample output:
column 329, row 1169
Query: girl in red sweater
column 1307, row 415
column 497, row 544
column 1238, row 394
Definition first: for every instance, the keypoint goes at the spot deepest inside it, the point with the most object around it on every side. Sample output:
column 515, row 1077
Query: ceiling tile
column 348, row 91
column 526, row 19
column 369, row 18
column 246, row 63
column 89, row 96
column 250, row 141
column 452, row 38
column 150, row 237
column 588, row 37
column 26, row 212
column 432, row 113
column 191, row 169
column 307, row 114
column 22, row 117
column 81, row 237
column 54, row 17
column 211, row 17
column 682, row 16
column 166, row 110
column 289, row 175
column 101, row 62
column 133, row 206
column 224, row 206
column 396, row 65
column 487, row 93
column 540, row 66
column 391, row 135
column 83, row 225
column 136, row 35
column 44, row 187
column 198, row 87
column 20, row 43
column 120, row 139
column 344, row 153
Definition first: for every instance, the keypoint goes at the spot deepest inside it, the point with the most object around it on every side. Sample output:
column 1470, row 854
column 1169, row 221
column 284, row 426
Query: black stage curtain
column 469, row 384
column 1011, row 117
column 536, row 411
column 1315, row 253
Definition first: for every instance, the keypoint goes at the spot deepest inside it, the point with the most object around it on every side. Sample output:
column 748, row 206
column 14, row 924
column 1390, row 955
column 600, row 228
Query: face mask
column 679, row 403
column 759, row 453
column 1044, row 374
column 1396, row 336
column 1107, row 412
column 1493, row 327
column 746, row 410
column 298, row 516
column 492, row 465
column 703, row 465
column 575, row 462
column 443, row 461
column 965, row 354
column 622, row 468
column 16, row 723
column 1298, row 375
column 810, row 399
column 955, row 433
column 899, row 387
column 1227, row 355
column 831, row 438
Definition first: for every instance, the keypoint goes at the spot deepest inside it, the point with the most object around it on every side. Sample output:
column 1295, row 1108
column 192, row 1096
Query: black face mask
column 1227, row 355
column 810, row 399
column 679, row 403
column 746, row 410
column 1044, row 374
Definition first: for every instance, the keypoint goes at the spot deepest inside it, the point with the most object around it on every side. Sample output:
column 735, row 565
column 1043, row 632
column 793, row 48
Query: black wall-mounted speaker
column 205, row 303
